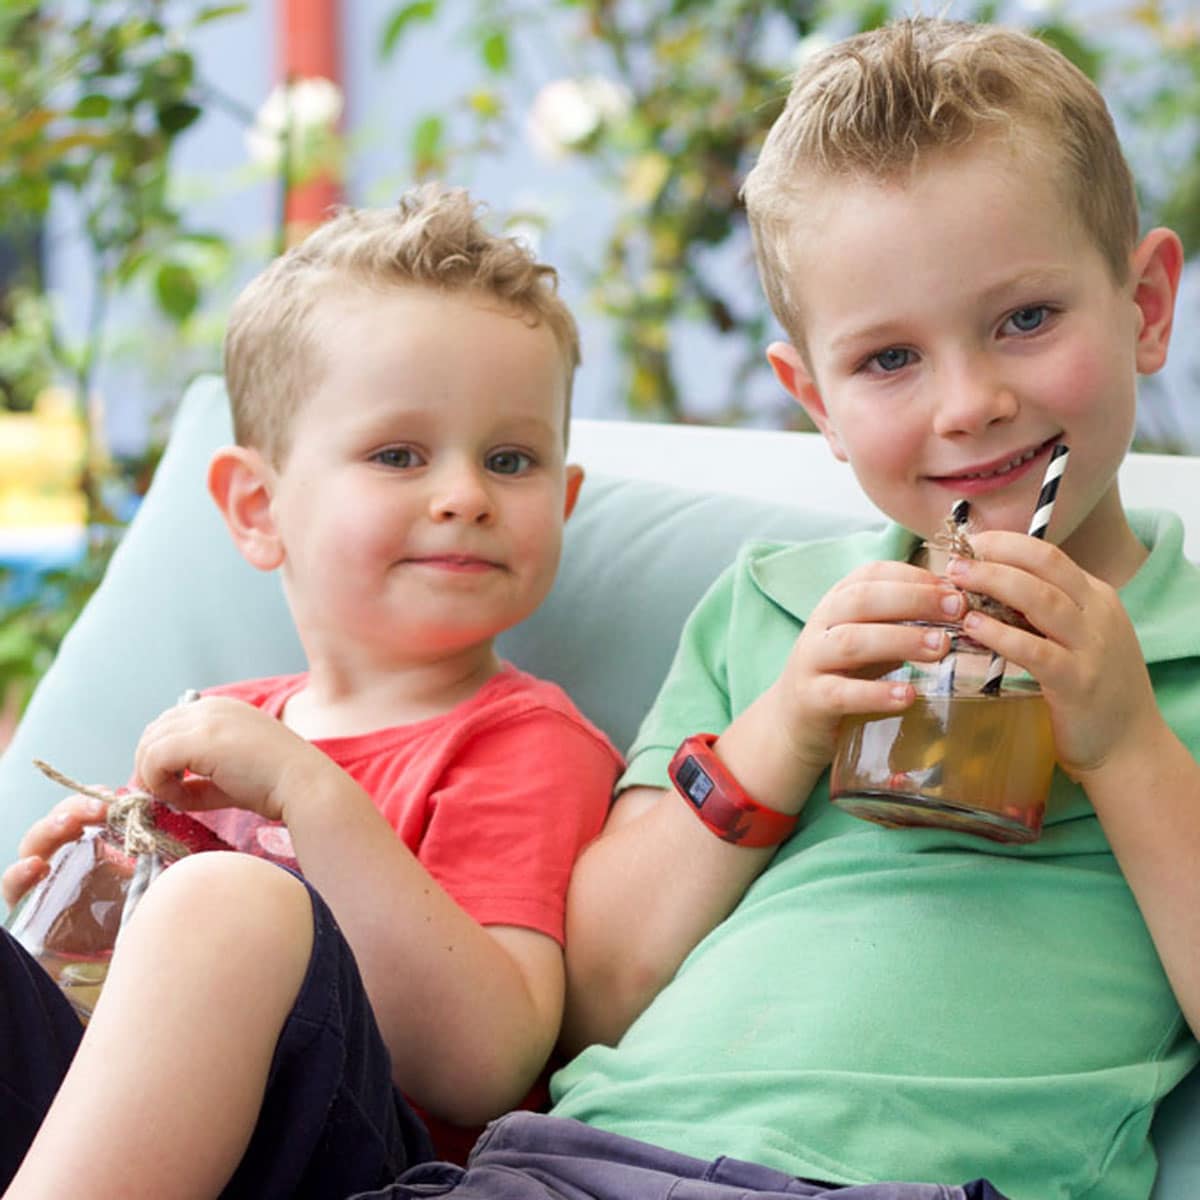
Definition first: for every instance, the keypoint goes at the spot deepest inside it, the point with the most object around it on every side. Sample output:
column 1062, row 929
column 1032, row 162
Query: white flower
column 311, row 107
column 528, row 233
column 808, row 47
column 566, row 112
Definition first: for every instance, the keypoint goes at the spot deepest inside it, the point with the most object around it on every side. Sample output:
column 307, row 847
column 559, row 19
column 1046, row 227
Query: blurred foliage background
column 666, row 100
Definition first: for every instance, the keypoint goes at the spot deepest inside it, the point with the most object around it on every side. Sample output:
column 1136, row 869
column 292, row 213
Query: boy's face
column 957, row 325
column 420, row 507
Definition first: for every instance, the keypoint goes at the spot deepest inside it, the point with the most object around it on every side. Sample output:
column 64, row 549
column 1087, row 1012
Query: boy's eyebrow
column 1035, row 280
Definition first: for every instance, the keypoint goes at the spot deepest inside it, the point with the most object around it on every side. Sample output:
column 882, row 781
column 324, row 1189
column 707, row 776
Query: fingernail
column 953, row 603
column 62, row 820
column 932, row 638
column 956, row 566
column 94, row 807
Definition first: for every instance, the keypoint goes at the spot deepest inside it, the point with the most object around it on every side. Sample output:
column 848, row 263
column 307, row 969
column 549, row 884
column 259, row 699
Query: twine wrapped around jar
column 951, row 541
column 129, row 816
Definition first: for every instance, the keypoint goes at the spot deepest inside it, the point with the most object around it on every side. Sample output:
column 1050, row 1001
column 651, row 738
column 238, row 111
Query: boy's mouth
column 1002, row 469
column 469, row 563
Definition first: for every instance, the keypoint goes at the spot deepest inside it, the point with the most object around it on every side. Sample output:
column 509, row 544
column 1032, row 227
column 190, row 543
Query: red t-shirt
column 496, row 798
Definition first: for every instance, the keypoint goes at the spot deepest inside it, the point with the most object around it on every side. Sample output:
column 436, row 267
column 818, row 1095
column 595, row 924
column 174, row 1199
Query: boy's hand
column 62, row 824
column 1088, row 662
column 218, row 752
column 855, row 635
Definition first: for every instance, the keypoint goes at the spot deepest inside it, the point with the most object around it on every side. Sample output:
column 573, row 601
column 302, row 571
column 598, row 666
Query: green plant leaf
column 219, row 11
column 1071, row 46
column 94, row 106
column 401, row 20
column 177, row 291
column 494, row 50
column 174, row 118
column 427, row 143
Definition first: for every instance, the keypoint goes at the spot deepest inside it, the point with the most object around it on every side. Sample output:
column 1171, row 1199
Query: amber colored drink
column 69, row 922
column 981, row 764
column 80, row 978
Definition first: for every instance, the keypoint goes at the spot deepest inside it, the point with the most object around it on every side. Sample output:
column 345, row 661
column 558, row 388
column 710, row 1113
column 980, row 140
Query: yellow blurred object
column 41, row 456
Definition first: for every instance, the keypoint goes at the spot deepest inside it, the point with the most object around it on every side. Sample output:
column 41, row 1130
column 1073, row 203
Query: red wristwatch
column 705, row 782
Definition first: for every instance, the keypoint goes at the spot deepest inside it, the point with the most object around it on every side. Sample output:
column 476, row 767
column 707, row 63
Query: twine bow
column 129, row 815
column 952, row 540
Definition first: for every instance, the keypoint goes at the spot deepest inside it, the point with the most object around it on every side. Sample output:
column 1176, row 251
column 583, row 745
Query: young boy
column 948, row 233
column 400, row 387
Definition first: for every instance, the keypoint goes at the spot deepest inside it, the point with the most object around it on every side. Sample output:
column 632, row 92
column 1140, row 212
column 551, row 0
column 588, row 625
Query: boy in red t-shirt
column 400, row 388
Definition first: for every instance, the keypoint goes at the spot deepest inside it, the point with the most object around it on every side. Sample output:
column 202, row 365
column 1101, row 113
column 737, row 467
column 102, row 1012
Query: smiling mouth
column 1005, row 468
column 459, row 561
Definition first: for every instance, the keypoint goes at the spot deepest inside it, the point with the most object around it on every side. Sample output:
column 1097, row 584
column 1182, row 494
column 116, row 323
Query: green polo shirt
column 907, row 1004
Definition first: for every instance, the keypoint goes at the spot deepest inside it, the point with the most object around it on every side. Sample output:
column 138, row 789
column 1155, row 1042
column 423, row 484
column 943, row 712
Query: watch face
column 693, row 781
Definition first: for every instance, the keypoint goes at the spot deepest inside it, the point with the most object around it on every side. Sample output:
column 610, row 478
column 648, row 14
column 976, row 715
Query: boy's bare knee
column 233, row 893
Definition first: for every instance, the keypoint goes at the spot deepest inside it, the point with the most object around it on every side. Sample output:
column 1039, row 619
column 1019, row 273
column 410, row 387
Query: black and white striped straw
column 1037, row 528
column 960, row 512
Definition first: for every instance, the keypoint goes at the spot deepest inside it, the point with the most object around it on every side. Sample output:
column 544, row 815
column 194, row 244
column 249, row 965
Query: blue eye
column 509, row 462
column 399, row 457
column 892, row 359
column 1026, row 320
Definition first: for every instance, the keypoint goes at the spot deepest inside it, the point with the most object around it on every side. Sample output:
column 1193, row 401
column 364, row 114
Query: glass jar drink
column 70, row 921
column 957, row 758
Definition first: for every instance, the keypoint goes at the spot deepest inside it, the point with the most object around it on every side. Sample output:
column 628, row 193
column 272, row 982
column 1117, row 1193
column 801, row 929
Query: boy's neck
column 340, row 700
column 1105, row 544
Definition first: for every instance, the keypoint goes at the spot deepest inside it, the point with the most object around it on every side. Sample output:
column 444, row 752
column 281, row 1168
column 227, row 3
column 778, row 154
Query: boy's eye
column 1026, row 320
column 892, row 359
column 509, row 462
column 400, row 457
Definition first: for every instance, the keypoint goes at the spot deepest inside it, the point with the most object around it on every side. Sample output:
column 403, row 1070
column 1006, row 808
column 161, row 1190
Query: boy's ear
column 239, row 480
column 788, row 365
column 1155, row 267
column 574, row 483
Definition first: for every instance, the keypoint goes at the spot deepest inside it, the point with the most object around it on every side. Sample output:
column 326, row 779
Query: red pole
column 310, row 45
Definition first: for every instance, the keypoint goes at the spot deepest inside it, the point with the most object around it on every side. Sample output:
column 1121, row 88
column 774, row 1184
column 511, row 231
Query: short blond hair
column 434, row 237
column 874, row 104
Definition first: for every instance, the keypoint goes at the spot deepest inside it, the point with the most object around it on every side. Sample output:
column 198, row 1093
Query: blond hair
column 432, row 238
column 874, row 104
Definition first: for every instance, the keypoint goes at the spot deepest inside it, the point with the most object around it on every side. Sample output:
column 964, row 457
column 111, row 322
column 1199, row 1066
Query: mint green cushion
column 179, row 608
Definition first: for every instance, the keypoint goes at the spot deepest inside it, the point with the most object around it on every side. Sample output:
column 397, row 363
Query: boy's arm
column 657, row 880
column 1147, row 795
column 1110, row 736
column 469, row 1013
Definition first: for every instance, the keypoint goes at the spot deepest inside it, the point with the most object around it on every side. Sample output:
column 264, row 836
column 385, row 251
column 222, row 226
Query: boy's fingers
column 1035, row 557
column 64, row 823
column 1054, row 611
column 893, row 600
column 856, row 645
column 20, row 877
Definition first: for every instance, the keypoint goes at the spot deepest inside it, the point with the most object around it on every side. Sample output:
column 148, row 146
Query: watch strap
column 717, row 798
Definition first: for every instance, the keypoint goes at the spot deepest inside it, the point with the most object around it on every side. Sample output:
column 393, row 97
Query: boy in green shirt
column 947, row 231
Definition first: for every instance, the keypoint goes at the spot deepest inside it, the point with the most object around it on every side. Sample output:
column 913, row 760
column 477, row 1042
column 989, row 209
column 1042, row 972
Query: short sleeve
column 694, row 697
column 512, row 811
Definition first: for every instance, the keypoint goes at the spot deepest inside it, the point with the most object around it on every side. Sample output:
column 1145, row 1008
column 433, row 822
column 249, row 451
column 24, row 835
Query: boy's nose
column 461, row 494
column 969, row 401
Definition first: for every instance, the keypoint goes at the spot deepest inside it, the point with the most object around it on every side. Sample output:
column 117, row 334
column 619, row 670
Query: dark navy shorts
column 333, row 1126
column 332, row 1122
